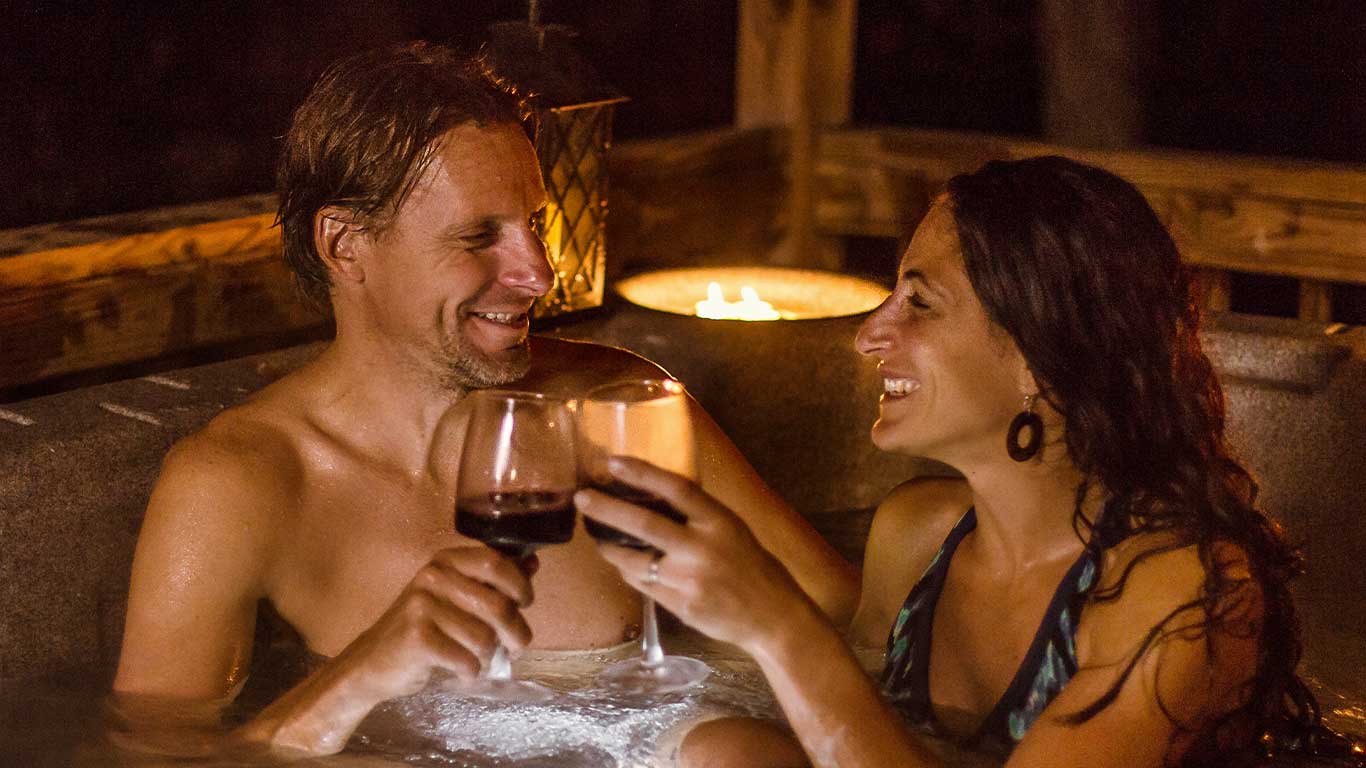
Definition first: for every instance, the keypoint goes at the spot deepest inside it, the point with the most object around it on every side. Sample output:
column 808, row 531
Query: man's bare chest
column 355, row 546
column 349, row 550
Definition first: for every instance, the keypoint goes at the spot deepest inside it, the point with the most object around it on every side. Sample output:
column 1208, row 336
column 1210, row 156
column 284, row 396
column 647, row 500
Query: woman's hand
column 710, row 571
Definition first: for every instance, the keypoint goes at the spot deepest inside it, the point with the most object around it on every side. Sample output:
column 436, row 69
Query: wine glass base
column 673, row 673
column 514, row 691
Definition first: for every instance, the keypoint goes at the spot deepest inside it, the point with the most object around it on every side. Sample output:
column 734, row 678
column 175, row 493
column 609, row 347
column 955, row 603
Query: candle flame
column 749, row 307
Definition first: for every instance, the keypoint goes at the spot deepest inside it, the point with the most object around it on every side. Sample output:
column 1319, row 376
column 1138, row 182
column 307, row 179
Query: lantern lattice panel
column 572, row 144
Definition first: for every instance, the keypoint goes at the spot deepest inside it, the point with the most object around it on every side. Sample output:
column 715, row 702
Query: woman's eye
column 918, row 302
column 537, row 221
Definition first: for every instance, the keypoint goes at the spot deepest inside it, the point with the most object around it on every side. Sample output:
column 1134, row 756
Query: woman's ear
column 1026, row 383
column 341, row 242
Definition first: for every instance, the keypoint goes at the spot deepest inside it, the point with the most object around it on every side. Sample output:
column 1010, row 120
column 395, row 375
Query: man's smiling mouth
column 504, row 318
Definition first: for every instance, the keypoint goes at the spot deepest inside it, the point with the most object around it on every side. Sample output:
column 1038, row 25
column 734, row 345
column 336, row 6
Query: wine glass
column 647, row 420
column 517, row 477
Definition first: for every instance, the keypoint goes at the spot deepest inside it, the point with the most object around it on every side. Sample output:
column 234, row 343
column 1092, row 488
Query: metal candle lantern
column 573, row 112
column 572, row 143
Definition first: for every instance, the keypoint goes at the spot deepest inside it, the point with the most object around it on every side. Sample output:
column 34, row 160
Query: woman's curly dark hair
column 1075, row 266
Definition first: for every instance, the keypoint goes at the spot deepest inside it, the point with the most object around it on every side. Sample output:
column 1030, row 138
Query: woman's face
column 951, row 380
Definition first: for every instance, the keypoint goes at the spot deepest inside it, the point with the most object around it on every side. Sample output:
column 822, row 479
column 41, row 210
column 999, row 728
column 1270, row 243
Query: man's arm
column 198, row 572
column 203, row 561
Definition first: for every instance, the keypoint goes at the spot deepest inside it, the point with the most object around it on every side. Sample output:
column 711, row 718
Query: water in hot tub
column 61, row 724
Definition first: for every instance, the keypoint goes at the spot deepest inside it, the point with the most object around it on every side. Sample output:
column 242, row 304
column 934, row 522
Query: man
column 409, row 201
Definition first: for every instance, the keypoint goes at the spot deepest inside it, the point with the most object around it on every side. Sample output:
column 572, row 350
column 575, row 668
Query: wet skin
column 331, row 492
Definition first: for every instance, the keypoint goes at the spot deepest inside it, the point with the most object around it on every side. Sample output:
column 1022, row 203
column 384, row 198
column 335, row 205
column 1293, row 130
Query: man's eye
column 918, row 302
column 537, row 221
column 480, row 240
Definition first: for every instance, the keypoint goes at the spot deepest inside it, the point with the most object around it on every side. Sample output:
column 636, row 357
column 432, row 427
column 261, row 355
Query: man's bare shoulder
column 570, row 368
column 254, row 449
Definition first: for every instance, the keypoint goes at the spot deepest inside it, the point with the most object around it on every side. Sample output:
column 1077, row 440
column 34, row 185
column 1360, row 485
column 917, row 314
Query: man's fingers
column 496, row 610
column 487, row 566
column 480, row 639
column 476, row 598
column 455, row 656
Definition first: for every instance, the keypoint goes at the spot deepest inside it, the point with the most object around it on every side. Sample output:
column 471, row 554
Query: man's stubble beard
column 464, row 367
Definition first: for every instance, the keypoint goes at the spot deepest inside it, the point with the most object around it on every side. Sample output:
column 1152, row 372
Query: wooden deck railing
column 1301, row 220
column 116, row 290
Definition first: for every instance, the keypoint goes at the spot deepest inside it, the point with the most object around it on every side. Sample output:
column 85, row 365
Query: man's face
column 453, row 275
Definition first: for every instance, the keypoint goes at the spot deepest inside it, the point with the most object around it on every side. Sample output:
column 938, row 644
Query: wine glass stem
column 499, row 666
column 651, row 652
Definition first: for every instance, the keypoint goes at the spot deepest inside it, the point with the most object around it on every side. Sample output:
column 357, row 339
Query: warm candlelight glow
column 749, row 307
column 761, row 293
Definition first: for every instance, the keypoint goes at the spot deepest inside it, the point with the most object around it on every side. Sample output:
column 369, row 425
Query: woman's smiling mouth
column 899, row 387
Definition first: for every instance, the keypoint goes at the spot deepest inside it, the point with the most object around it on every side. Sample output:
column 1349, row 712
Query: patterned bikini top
column 1048, row 664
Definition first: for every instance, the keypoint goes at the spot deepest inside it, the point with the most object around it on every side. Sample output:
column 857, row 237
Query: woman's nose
column 871, row 338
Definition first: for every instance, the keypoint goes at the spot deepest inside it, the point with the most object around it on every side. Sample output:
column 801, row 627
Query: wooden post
column 795, row 68
column 1213, row 289
column 1316, row 301
column 1095, row 57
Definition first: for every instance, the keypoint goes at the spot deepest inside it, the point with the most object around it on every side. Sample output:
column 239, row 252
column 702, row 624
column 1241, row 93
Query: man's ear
column 341, row 242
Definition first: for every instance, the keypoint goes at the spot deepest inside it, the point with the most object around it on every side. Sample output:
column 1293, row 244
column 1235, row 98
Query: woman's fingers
column 685, row 495
column 650, row 527
column 634, row 565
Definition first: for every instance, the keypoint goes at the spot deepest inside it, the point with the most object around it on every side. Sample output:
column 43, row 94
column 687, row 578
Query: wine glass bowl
column 518, row 473
column 648, row 420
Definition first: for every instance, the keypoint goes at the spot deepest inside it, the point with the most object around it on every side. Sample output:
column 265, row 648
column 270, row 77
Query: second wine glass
column 648, row 420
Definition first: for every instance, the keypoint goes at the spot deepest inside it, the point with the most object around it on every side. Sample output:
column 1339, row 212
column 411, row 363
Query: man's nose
column 526, row 266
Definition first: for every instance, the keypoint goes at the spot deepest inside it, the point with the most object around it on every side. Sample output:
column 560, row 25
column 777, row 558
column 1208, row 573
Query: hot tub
column 78, row 466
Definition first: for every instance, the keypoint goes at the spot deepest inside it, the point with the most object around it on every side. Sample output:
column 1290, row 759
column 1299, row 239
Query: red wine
column 604, row 532
column 517, row 522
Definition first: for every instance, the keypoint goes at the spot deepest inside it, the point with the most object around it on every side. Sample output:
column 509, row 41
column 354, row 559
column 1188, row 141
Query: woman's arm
column 833, row 707
column 716, row 577
column 830, row 580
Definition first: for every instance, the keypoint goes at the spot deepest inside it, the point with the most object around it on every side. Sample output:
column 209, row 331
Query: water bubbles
column 583, row 727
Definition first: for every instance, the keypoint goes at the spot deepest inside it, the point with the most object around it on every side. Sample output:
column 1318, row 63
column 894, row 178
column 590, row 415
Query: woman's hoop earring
column 1026, row 419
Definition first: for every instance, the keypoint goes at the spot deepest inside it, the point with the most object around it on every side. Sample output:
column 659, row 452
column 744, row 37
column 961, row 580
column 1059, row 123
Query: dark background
column 108, row 107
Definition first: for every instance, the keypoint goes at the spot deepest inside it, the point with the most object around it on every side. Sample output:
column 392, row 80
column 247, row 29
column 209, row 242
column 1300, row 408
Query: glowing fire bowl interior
column 794, row 294
column 794, row 395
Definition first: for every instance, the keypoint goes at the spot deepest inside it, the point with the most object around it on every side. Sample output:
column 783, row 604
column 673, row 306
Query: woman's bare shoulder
column 1163, row 580
column 907, row 530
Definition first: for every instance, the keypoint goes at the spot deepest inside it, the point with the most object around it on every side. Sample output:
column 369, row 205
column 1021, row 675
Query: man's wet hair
column 364, row 135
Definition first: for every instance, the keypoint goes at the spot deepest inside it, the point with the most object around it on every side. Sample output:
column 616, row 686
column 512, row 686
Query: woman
column 1099, row 589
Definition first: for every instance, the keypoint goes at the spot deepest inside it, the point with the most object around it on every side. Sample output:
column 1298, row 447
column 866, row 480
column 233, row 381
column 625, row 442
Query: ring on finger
column 652, row 571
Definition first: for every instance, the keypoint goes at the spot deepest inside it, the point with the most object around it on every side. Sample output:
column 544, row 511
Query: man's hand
column 451, row 616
